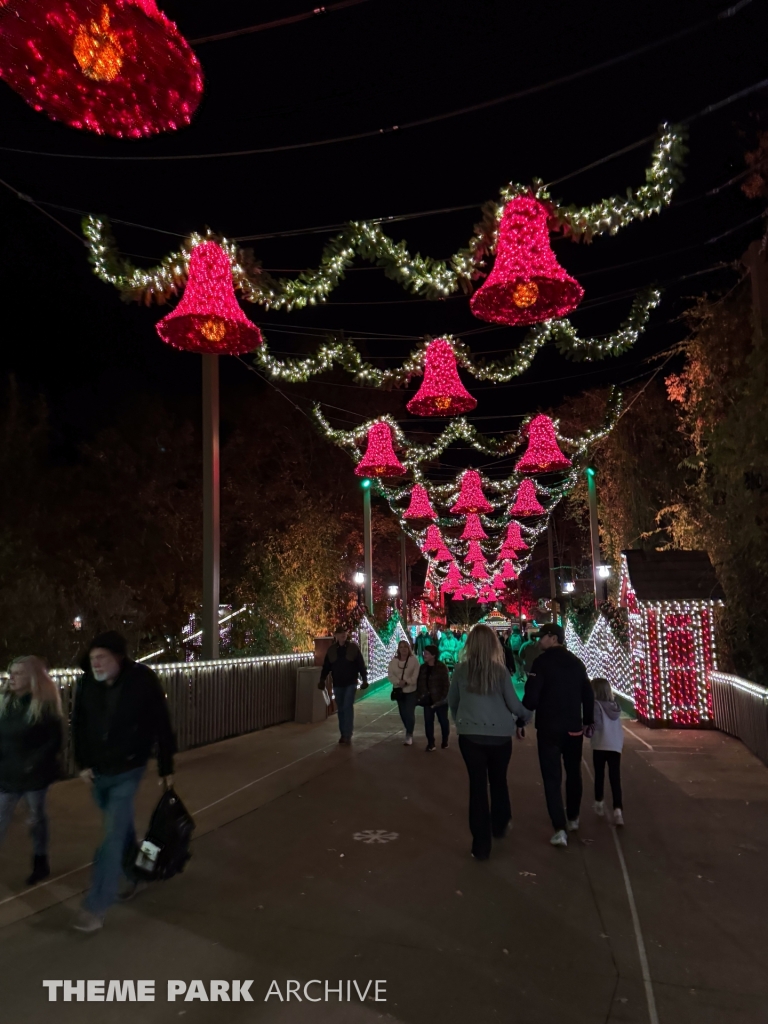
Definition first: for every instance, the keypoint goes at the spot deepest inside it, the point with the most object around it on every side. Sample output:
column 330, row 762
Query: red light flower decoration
column 208, row 318
column 420, row 506
column 474, row 528
column 471, row 497
column 115, row 68
column 441, row 392
column 543, row 454
column 527, row 284
column 379, row 459
column 526, row 502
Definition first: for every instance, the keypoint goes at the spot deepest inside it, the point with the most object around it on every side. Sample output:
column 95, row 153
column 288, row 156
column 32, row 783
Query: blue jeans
column 37, row 820
column 345, row 705
column 429, row 723
column 407, row 708
column 114, row 796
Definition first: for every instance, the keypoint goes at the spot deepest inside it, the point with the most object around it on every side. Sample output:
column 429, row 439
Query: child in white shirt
column 607, row 743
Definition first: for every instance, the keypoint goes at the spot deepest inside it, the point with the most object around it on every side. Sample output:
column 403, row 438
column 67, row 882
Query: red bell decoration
column 443, row 554
column 527, row 284
column 467, row 591
column 434, row 539
column 474, row 529
column 479, row 571
column 514, row 537
column 471, row 497
column 526, row 502
column 115, row 68
column 379, row 459
column 498, row 582
column 487, row 595
column 441, row 392
column 507, row 551
column 508, row 571
column 474, row 553
column 208, row 318
column 453, row 580
column 420, row 506
column 543, row 454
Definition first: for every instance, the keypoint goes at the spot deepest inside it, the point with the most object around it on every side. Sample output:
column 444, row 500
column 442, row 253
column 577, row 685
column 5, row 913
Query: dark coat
column 558, row 690
column 433, row 684
column 116, row 732
column 344, row 664
column 29, row 751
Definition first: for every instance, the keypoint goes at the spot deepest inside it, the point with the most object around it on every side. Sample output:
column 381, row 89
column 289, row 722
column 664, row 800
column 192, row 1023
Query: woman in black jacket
column 30, row 743
column 432, row 689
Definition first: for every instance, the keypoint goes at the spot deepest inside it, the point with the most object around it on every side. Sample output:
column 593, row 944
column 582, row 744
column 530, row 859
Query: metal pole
column 594, row 531
column 211, row 520
column 367, row 550
column 552, row 579
column 403, row 579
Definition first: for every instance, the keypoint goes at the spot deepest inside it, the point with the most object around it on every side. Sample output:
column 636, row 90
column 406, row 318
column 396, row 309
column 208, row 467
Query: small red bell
column 208, row 318
column 474, row 553
column 526, row 502
column 471, row 498
column 420, row 506
column 487, row 595
column 543, row 453
column 443, row 554
column 441, row 392
column 453, row 580
column 514, row 537
column 474, row 528
column 479, row 571
column 433, row 540
column 527, row 284
column 508, row 571
column 379, row 459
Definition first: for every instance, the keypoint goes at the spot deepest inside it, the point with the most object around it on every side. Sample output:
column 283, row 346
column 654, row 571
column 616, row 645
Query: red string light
column 441, row 392
column 115, row 68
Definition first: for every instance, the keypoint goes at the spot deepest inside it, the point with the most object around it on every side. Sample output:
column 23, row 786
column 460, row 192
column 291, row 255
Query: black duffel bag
column 165, row 850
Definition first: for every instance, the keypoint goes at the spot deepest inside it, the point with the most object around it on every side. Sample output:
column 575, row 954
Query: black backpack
column 165, row 850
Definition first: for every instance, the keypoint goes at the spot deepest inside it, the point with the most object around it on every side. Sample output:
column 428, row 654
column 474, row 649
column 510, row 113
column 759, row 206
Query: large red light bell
column 379, row 459
column 527, row 284
column 208, row 318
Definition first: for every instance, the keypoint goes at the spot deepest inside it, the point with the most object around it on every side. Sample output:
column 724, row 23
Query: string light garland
column 526, row 285
column 208, row 318
column 379, row 459
column 543, row 453
column 441, row 392
column 424, row 276
column 119, row 68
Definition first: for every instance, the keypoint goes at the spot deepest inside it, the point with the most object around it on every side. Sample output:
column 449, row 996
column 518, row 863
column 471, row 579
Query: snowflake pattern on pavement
column 376, row 835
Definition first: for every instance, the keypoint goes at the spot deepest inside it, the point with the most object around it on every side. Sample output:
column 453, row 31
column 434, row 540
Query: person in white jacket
column 403, row 673
column 607, row 743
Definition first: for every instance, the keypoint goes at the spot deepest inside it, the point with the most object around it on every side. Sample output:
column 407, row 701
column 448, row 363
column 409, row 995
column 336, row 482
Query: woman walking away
column 607, row 744
column 403, row 673
column 487, row 713
column 30, row 742
column 432, row 693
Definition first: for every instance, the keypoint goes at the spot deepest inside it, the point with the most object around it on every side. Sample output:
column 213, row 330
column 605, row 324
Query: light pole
column 367, row 545
column 211, row 509
column 594, row 531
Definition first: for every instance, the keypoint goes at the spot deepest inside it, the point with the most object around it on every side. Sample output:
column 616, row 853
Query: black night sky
column 375, row 65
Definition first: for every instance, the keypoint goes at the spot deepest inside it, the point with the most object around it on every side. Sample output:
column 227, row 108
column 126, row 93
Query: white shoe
column 88, row 922
column 600, row 808
column 408, row 741
column 618, row 817
column 559, row 839
column 572, row 826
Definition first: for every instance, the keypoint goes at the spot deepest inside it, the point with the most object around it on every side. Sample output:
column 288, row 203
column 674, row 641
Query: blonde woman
column 403, row 673
column 487, row 713
column 30, row 743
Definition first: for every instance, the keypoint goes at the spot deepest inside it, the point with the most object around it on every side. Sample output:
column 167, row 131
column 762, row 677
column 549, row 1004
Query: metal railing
column 740, row 708
column 213, row 700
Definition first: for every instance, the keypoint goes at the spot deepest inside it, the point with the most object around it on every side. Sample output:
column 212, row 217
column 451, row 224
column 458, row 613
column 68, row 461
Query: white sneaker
column 408, row 741
column 618, row 817
column 88, row 922
column 572, row 826
column 559, row 839
column 600, row 808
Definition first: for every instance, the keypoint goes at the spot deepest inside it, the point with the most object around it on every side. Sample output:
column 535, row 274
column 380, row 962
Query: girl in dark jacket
column 432, row 689
column 30, row 743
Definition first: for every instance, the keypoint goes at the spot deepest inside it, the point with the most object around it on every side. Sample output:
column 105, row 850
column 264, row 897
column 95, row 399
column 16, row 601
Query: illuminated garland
column 560, row 332
column 425, row 276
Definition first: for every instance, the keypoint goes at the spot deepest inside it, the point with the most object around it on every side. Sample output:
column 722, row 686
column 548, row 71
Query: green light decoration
column 424, row 276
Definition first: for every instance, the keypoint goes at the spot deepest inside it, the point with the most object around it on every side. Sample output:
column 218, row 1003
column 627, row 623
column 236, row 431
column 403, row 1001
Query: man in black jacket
column 559, row 691
column 120, row 714
column 344, row 663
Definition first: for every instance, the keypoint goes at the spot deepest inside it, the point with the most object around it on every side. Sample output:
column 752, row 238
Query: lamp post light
column 568, row 587
column 393, row 590
column 359, row 579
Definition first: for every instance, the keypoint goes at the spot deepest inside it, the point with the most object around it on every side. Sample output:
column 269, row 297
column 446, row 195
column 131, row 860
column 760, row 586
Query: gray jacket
column 496, row 714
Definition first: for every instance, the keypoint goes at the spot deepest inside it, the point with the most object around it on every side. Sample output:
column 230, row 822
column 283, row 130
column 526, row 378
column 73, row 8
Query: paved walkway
column 663, row 922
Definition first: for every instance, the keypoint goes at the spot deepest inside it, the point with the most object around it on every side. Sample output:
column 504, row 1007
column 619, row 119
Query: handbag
column 165, row 850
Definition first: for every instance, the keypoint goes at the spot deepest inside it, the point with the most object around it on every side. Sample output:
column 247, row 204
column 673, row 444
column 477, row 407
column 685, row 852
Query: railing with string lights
column 740, row 708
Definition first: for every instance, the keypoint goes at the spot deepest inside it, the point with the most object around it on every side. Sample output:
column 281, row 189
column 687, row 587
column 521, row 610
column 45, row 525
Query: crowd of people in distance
column 120, row 717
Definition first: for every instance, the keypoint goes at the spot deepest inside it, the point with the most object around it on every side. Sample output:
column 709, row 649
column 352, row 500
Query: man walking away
column 120, row 714
column 344, row 663
column 558, row 690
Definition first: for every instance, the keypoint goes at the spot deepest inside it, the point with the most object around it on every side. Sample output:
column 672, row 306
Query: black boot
column 40, row 870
